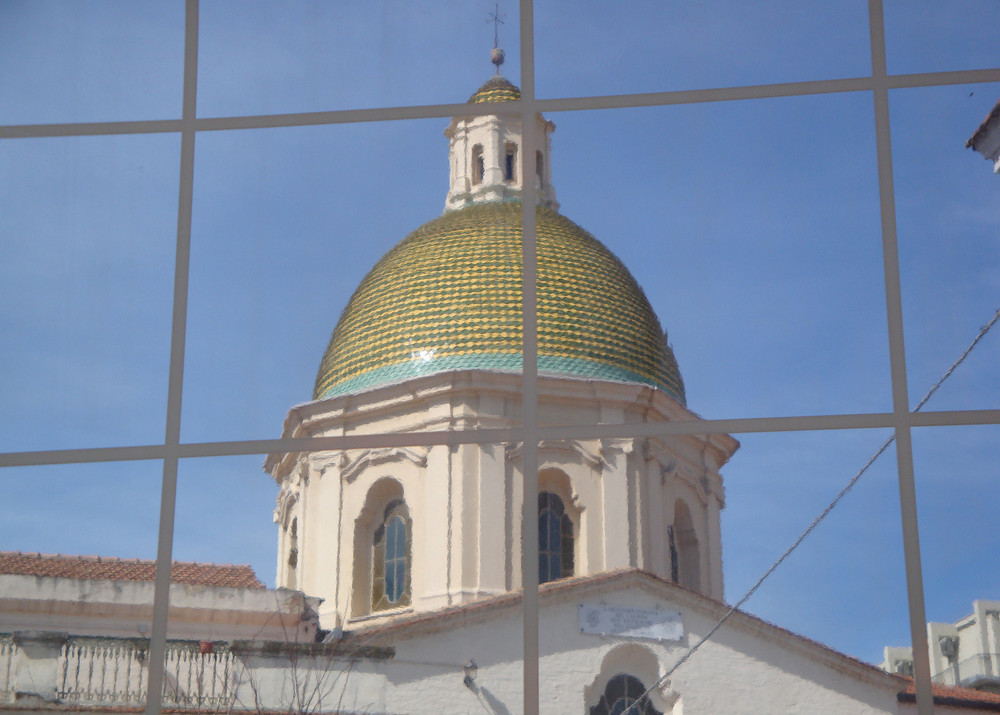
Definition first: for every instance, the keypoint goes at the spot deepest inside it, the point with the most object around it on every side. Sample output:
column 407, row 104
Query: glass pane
column 261, row 58
column 671, row 528
column 957, row 493
column 581, row 49
column 89, row 62
column 948, row 222
column 77, row 565
column 931, row 37
column 760, row 261
column 77, row 550
column 311, row 636
column 243, row 533
column 287, row 224
column 86, row 289
column 849, row 570
column 53, row 509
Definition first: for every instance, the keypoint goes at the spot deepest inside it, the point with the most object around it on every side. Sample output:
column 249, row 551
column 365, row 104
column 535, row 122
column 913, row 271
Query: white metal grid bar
column 529, row 385
column 803, row 423
column 446, row 111
column 175, row 385
column 897, row 362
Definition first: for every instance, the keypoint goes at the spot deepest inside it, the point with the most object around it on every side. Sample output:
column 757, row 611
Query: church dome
column 448, row 297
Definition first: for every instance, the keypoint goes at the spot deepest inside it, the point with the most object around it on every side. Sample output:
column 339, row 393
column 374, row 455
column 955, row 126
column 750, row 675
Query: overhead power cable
column 815, row 522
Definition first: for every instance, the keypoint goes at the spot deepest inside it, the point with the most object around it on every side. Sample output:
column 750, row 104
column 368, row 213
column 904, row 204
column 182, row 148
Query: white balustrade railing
column 41, row 667
column 195, row 679
column 97, row 671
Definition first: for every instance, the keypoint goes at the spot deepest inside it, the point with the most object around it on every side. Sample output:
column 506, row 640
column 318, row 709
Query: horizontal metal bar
column 438, row 111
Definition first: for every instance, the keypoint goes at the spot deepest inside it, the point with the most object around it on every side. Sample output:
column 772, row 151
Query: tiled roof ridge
column 568, row 585
column 116, row 568
column 115, row 559
column 955, row 695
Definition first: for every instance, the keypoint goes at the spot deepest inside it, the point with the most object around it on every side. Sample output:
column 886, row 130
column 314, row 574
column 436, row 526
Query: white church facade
column 399, row 569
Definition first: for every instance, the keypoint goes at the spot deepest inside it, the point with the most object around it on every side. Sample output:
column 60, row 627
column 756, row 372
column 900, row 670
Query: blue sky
column 753, row 227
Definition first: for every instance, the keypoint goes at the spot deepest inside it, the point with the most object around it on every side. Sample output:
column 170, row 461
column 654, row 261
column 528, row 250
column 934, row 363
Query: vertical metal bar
column 529, row 510
column 897, row 356
column 168, row 489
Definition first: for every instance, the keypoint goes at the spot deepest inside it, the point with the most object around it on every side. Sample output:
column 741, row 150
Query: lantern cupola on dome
column 485, row 152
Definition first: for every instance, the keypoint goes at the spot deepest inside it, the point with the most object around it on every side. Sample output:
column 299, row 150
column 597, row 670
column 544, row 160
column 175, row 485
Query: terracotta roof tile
column 116, row 569
column 961, row 697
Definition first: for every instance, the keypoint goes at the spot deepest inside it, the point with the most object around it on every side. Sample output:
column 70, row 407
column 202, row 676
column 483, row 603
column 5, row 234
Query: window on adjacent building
column 539, row 168
column 624, row 691
column 478, row 168
column 391, row 559
column 555, row 539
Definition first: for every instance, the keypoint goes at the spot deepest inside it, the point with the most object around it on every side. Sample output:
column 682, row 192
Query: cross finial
column 497, row 17
column 496, row 54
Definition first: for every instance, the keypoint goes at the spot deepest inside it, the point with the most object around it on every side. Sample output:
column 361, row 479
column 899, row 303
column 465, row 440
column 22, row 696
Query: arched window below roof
column 555, row 539
column 621, row 692
column 391, row 558
column 685, row 554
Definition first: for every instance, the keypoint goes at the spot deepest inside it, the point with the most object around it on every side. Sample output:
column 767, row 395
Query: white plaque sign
column 628, row 622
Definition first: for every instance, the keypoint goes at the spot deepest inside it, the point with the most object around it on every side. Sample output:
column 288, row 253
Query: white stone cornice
column 322, row 461
column 654, row 451
column 582, row 450
column 625, row 445
column 697, row 483
column 350, row 467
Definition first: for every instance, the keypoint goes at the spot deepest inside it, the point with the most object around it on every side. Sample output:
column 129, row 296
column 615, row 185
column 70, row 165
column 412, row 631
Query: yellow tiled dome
column 448, row 297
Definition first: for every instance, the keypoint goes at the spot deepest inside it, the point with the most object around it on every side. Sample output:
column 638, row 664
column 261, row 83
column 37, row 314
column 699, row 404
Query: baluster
column 116, row 694
column 64, row 656
column 167, row 663
column 95, row 660
column 102, row 662
column 179, row 678
column 143, row 689
column 89, row 693
column 189, row 663
column 107, row 671
column 214, row 662
column 199, row 677
column 76, row 671
column 8, row 652
column 129, row 655
column 116, row 672
column 219, row 688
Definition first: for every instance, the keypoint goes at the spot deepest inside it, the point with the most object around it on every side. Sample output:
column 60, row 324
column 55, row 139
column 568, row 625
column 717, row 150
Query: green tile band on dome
column 448, row 297
column 496, row 89
column 418, row 367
